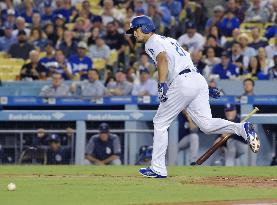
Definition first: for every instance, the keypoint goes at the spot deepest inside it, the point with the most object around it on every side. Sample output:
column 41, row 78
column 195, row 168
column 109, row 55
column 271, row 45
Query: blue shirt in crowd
column 226, row 73
column 226, row 26
column 80, row 65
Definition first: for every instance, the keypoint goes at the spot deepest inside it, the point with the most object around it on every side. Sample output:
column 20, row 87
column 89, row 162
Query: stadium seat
column 113, row 57
column 271, row 41
column 249, row 26
column 70, row 26
column 10, row 68
column 99, row 63
column 3, row 55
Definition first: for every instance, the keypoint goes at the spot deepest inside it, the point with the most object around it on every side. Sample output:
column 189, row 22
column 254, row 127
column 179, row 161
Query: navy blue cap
column 140, row 10
column 230, row 107
column 47, row 3
column 54, row 138
column 104, row 128
column 144, row 70
column 190, row 25
column 96, row 19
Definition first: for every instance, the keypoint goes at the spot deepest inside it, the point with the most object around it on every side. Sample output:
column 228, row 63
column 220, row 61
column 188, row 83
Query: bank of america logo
column 58, row 115
column 136, row 115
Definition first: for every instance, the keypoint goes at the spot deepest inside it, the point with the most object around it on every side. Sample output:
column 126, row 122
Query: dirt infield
column 262, row 182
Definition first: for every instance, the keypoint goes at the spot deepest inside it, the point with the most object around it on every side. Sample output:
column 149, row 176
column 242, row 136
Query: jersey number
column 179, row 49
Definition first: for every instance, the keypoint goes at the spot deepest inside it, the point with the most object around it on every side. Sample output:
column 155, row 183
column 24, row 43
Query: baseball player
column 180, row 87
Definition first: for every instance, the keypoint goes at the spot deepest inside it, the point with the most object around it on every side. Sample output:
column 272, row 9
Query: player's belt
column 185, row 71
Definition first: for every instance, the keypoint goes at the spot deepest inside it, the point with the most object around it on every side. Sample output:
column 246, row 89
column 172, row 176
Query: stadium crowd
column 85, row 41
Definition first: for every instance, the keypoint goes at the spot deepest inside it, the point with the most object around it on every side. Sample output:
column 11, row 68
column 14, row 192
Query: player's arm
column 110, row 158
column 93, row 160
column 162, row 64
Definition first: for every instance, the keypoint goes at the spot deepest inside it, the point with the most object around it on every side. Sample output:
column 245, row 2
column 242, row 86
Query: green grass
column 81, row 185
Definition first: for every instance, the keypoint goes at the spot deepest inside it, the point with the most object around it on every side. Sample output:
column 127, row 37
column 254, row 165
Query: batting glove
column 162, row 90
column 214, row 92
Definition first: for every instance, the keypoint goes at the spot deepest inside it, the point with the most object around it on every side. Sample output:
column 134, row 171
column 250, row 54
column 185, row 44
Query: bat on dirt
column 210, row 151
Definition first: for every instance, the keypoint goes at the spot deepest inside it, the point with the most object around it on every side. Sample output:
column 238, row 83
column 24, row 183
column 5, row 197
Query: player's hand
column 214, row 92
column 162, row 90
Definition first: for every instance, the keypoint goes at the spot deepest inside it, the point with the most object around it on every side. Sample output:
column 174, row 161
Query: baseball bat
column 210, row 151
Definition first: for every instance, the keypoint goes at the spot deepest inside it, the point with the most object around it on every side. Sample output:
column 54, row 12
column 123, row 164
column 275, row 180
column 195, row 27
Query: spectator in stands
column 228, row 23
column 92, row 87
column 56, row 154
column 193, row 39
column 115, row 41
column 95, row 33
column 248, row 85
column 271, row 50
column 21, row 26
column 256, row 13
column 7, row 40
column 220, row 39
column 85, row 11
column 244, row 41
column 49, row 60
column 174, row 7
column 37, row 39
column 273, row 13
column 57, row 89
column 33, row 70
column 68, row 46
column 264, row 63
column 237, row 9
column 47, row 11
column 146, row 86
column 211, row 42
column 253, row 67
column 196, row 57
column 235, row 38
column 60, row 20
column 80, row 62
column 257, row 41
column 10, row 21
column 59, row 33
column 110, row 13
column 103, row 148
column 61, row 10
column 225, row 69
column 22, row 48
column 61, row 66
column 80, row 31
column 28, row 11
column 122, row 86
column 48, row 29
column 36, row 20
column 144, row 63
column 210, row 61
column 272, row 72
column 155, row 16
column 99, row 50
column 238, row 59
column 216, row 18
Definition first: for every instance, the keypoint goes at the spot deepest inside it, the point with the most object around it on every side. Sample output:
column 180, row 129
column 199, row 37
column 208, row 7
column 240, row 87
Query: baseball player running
column 180, row 87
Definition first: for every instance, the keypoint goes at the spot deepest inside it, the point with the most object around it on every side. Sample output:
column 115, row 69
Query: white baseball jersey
column 178, row 58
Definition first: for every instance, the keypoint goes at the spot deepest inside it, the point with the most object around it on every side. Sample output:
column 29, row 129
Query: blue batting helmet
column 144, row 22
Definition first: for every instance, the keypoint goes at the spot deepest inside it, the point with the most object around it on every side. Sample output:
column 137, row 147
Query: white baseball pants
column 188, row 91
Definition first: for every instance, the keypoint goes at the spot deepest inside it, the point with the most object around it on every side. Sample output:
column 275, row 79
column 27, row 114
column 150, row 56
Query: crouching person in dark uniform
column 103, row 148
column 56, row 154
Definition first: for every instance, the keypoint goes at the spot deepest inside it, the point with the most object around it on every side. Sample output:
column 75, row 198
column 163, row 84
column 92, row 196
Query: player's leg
column 200, row 111
column 194, row 146
column 184, row 143
column 166, row 113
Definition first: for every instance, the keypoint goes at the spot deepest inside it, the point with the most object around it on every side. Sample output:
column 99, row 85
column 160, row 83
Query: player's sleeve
column 90, row 146
column 116, row 145
column 154, row 48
